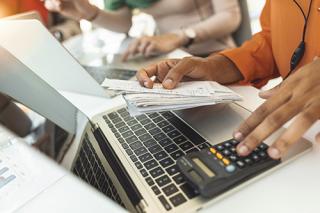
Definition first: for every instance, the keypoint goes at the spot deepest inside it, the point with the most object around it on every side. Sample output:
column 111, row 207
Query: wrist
column 223, row 70
column 182, row 39
column 93, row 13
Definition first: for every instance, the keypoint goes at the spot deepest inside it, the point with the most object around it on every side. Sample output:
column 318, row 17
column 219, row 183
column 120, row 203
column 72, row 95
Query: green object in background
column 116, row 4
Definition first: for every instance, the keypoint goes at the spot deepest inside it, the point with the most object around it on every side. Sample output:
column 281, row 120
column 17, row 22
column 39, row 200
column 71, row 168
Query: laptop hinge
column 120, row 172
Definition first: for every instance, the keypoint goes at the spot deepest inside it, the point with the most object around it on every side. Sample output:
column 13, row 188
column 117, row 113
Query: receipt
column 194, row 88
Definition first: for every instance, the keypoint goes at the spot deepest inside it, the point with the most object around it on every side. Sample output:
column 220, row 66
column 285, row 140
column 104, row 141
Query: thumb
column 269, row 93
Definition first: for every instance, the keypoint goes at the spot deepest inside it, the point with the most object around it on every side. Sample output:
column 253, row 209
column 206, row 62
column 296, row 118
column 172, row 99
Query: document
column 187, row 95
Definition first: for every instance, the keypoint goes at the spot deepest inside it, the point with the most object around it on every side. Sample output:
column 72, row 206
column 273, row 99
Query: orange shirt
column 11, row 7
column 267, row 55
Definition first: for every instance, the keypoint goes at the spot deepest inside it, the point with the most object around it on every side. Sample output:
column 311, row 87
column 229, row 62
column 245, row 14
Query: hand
column 154, row 45
column 170, row 72
column 75, row 9
column 299, row 96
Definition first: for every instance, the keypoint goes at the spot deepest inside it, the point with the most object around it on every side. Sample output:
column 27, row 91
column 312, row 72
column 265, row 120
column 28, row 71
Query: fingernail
column 238, row 136
column 145, row 83
column 274, row 153
column 168, row 83
column 243, row 150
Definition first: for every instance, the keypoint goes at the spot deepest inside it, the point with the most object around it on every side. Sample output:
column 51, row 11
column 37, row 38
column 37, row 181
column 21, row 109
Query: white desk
column 294, row 188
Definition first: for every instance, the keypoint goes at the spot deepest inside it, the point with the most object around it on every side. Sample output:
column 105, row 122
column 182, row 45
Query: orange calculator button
column 219, row 156
column 226, row 161
column 213, row 150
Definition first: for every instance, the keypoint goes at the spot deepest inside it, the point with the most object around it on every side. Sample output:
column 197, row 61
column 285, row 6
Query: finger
column 132, row 49
column 175, row 74
column 269, row 93
column 260, row 114
column 150, row 50
column 143, row 45
column 295, row 131
column 159, row 70
column 268, row 126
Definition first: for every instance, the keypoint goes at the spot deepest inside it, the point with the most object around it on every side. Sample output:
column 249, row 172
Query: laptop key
column 160, row 155
column 136, row 145
column 154, row 149
column 129, row 152
column 168, row 128
column 153, row 115
column 140, row 132
column 173, row 134
column 165, row 142
column 132, row 122
column 144, row 173
column 127, row 134
column 138, row 165
column 131, row 139
column 125, row 146
column 186, row 146
column 123, row 129
column 171, row 148
column 163, row 124
column 170, row 189
column 136, row 127
column 156, row 172
column 140, row 151
column 149, row 143
column 163, row 180
column 150, row 126
column 117, row 135
column 141, row 117
column 177, row 154
column 179, row 179
column 120, row 124
column 146, row 121
column 167, row 115
column 160, row 136
column 156, row 190
column 180, row 140
column 172, row 170
column 157, row 119
column 133, row 158
column 116, row 120
column 122, row 110
column 177, row 200
column 164, row 202
column 145, row 137
column 145, row 157
column 203, row 146
column 155, row 131
column 149, row 181
column 150, row 164
column 113, row 115
column 166, row 162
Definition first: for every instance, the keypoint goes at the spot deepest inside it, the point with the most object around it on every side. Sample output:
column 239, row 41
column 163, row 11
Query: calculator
column 217, row 169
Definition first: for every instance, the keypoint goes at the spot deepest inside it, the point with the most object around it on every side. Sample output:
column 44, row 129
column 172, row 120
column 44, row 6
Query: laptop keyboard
column 154, row 142
column 89, row 168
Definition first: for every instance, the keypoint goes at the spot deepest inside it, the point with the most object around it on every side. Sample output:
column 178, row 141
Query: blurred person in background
column 199, row 26
column 61, row 27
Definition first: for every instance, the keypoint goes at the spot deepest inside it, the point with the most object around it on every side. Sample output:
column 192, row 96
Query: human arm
column 118, row 21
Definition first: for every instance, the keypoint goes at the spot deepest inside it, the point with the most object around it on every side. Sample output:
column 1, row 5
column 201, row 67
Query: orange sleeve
column 254, row 58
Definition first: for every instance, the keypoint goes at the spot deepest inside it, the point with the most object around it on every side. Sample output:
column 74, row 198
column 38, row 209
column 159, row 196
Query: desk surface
column 293, row 188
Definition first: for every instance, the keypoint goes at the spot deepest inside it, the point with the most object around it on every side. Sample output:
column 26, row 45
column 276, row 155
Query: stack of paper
column 187, row 95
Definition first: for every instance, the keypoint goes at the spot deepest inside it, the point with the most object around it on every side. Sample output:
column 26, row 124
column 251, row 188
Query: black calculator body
column 217, row 169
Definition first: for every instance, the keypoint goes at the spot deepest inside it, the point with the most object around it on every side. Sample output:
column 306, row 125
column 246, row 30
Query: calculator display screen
column 204, row 167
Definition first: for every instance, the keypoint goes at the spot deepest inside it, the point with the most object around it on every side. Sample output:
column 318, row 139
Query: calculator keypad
column 226, row 154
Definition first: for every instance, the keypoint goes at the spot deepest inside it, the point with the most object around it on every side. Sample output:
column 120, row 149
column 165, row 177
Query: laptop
column 130, row 159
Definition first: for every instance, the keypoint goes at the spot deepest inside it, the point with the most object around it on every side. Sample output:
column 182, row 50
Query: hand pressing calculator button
column 217, row 169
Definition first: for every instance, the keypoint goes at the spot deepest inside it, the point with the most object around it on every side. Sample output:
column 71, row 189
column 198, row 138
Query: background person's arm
column 255, row 58
column 118, row 21
column 225, row 20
